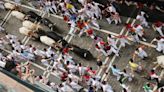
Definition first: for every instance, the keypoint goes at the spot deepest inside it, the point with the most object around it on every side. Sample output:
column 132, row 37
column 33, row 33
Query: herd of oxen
column 32, row 22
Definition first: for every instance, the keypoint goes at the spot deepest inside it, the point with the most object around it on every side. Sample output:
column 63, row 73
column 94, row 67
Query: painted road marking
column 106, row 60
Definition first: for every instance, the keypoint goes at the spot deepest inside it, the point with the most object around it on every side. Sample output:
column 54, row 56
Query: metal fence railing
column 35, row 88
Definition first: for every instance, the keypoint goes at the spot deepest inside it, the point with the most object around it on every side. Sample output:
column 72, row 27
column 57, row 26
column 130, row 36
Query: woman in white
column 160, row 44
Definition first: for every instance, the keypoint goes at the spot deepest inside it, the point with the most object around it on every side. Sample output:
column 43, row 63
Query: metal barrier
column 28, row 85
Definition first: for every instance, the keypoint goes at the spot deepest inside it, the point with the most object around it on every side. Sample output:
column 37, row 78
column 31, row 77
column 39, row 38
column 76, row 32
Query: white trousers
column 123, row 42
column 159, row 30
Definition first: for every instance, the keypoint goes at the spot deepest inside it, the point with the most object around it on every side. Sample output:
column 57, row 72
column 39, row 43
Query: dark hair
column 158, row 38
column 79, row 64
column 45, row 49
column 67, row 62
column 152, row 70
column 109, row 35
column 162, row 89
column 131, row 60
column 114, row 66
column 124, row 90
column 40, row 77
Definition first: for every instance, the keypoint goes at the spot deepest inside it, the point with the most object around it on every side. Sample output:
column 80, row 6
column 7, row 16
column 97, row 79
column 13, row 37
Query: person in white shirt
column 158, row 27
column 83, row 2
column 140, row 52
column 94, row 22
column 142, row 19
column 48, row 6
column 97, row 12
column 123, row 40
column 106, row 87
column 160, row 44
column 2, row 42
column 96, row 83
column 111, row 41
column 10, row 36
column 81, row 69
column 115, row 17
column 53, row 5
column 82, row 13
column 89, row 11
column 72, row 28
column 2, row 5
column 139, row 31
column 111, row 8
column 74, row 85
column 2, row 61
column 125, row 88
column 66, row 88
column 110, row 50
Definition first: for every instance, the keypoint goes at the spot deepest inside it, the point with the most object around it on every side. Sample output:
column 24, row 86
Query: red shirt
column 65, row 50
column 86, row 77
column 66, row 18
column 91, row 71
column 158, row 24
column 107, row 47
column 140, row 5
column 64, row 76
column 97, row 47
column 80, row 25
column 102, row 42
column 90, row 31
column 128, row 26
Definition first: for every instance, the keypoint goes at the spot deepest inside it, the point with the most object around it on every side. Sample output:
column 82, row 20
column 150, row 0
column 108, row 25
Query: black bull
column 83, row 53
column 34, row 17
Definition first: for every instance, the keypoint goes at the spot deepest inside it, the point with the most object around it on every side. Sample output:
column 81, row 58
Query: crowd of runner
column 81, row 21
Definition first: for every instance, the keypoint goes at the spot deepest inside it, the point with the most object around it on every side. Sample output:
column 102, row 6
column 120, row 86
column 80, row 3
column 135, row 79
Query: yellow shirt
column 133, row 65
column 69, row 6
